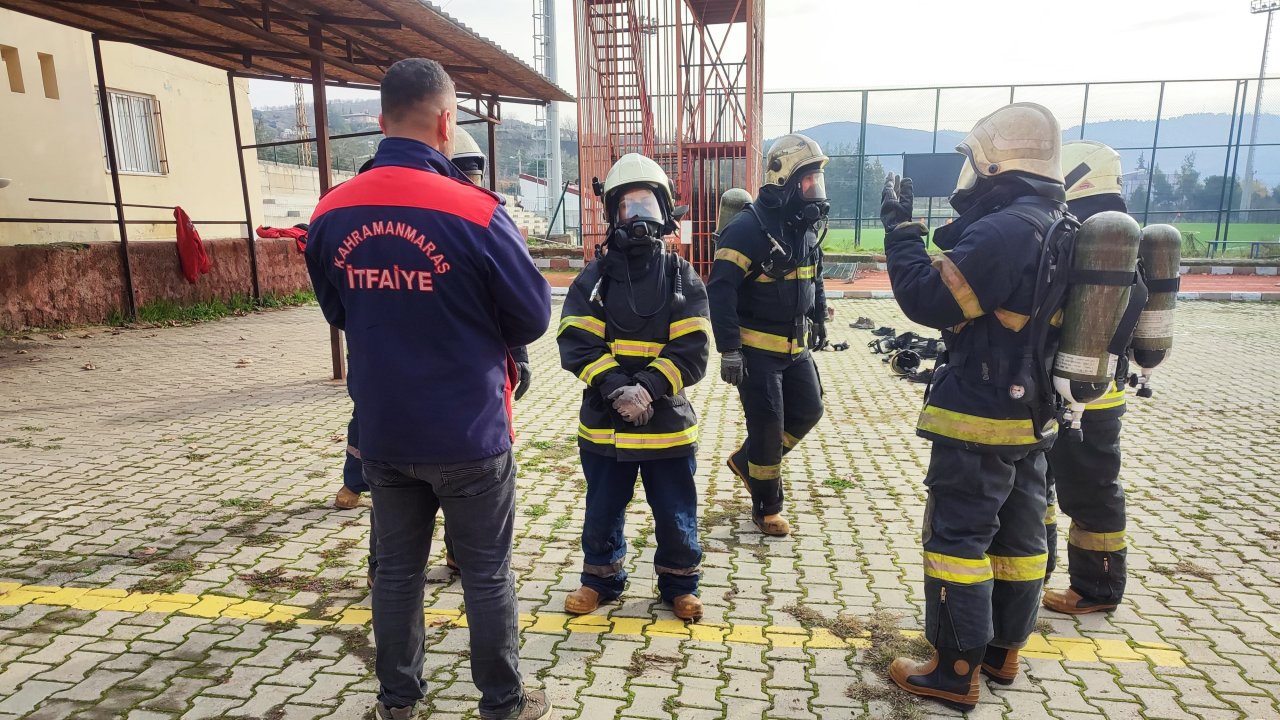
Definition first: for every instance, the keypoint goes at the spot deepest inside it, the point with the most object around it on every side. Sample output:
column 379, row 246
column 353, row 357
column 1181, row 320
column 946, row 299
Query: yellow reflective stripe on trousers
column 965, row 571
column 972, row 428
column 680, row 328
column 959, row 286
column 670, row 372
column 1113, row 399
column 599, row 436
column 789, row 441
column 656, row 441
column 589, row 373
column 595, row 326
column 735, row 257
column 772, row 343
column 636, row 348
column 801, row 273
column 1019, row 569
column 1097, row 542
column 764, row 472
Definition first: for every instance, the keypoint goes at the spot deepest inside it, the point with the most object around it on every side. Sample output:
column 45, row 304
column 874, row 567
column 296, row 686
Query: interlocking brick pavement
column 169, row 550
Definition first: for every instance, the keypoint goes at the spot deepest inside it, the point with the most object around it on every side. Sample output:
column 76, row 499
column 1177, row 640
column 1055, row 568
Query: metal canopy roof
column 277, row 39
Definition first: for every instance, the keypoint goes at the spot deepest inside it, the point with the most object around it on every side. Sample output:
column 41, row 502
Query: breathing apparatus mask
column 806, row 198
column 638, row 222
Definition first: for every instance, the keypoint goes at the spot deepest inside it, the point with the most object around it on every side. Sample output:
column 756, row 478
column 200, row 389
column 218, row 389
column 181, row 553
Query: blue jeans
column 673, row 497
column 480, row 495
column 353, row 469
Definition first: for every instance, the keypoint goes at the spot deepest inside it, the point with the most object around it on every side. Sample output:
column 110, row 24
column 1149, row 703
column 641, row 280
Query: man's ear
column 447, row 128
column 382, row 123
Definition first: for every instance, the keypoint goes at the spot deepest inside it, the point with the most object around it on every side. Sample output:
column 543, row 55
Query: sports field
column 841, row 240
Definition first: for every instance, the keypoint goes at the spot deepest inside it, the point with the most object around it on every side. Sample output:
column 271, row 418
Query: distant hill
column 1195, row 130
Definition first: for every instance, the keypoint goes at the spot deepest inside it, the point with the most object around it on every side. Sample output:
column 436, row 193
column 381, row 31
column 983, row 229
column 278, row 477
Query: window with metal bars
column 138, row 128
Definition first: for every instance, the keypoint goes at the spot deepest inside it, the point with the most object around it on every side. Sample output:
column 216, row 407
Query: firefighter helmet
column 467, row 156
column 635, row 169
column 1090, row 168
column 788, row 154
column 1022, row 138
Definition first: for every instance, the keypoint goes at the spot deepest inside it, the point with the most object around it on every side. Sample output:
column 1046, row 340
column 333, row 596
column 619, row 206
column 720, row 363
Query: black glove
column 732, row 367
column 818, row 336
column 526, row 375
column 896, row 202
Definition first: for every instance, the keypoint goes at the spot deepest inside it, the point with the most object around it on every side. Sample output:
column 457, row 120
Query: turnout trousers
column 984, row 547
column 782, row 401
column 673, row 498
column 1087, row 479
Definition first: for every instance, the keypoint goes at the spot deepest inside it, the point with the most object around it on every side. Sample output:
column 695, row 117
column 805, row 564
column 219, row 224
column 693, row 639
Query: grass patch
column 31, row 428
column 840, row 483
column 902, row 705
column 263, row 539
column 245, row 503
column 354, row 642
column 197, row 456
column 561, row 523
column 168, row 312
column 156, row 585
column 184, row 566
column 1044, row 627
column 1184, row 568
column 536, row 511
column 641, row 660
column 275, row 580
column 843, row 626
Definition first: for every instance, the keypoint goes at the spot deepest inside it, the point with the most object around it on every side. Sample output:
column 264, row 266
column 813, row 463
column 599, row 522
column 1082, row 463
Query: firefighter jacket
column 980, row 295
column 607, row 345
column 433, row 285
column 765, row 286
column 1112, row 404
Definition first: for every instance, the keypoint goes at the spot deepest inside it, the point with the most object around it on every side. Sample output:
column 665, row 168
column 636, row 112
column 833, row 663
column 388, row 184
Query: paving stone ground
column 169, row 550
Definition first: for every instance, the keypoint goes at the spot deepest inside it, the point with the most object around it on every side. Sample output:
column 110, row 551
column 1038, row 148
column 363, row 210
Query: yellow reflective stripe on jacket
column 764, row 472
column 734, row 257
column 959, row 286
column 801, row 273
column 773, row 343
column 636, row 348
column 1012, row 320
column 680, row 328
column 1114, row 398
column 1019, row 569
column 599, row 436
column 595, row 326
column 972, row 428
column 1097, row 542
column 670, row 372
column 589, row 373
column 656, row 441
column 965, row 571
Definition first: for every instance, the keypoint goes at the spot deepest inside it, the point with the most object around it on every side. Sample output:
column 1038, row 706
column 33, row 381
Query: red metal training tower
column 677, row 80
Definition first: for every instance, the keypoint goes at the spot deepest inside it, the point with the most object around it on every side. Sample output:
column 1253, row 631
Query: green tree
column 1189, row 185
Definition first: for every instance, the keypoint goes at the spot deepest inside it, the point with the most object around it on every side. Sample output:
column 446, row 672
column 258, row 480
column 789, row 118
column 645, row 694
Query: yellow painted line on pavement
column 220, row 606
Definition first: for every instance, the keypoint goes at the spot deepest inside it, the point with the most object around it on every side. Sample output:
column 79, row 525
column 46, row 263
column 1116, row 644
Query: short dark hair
column 411, row 81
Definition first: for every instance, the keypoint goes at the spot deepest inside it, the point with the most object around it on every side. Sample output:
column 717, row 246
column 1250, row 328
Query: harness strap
column 1164, row 285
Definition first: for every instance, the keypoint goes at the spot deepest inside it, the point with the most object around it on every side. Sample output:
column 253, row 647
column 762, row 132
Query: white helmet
column 634, row 169
column 1090, row 168
column 1022, row 138
column 467, row 156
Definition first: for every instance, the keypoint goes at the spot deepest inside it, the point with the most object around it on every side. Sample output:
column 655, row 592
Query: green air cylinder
column 731, row 203
column 1161, row 253
column 1106, row 253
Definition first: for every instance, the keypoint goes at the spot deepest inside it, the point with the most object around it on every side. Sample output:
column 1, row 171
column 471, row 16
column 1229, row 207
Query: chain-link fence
column 1193, row 154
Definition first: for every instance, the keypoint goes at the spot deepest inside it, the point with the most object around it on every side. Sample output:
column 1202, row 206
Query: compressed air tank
column 1106, row 253
column 1161, row 254
column 731, row 203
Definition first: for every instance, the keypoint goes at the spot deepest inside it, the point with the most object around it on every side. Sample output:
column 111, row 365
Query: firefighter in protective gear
column 1086, row 475
column 468, row 158
column 983, row 529
column 634, row 330
column 768, row 311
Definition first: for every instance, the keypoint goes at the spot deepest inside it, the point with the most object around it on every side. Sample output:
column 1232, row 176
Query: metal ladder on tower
column 616, row 34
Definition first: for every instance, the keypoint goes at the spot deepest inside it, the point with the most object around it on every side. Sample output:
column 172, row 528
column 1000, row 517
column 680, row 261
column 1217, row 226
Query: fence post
column 862, row 164
column 1155, row 144
column 1229, row 182
column 1084, row 110
column 791, row 121
column 1235, row 165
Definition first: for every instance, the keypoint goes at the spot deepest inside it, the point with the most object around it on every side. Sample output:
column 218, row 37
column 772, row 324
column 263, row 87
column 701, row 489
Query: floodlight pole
column 1246, row 200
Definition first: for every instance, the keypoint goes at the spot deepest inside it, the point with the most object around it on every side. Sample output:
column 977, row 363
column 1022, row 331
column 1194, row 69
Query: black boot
column 950, row 677
column 1000, row 664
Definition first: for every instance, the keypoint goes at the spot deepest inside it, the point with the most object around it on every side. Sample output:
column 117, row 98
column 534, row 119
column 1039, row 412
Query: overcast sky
column 860, row 44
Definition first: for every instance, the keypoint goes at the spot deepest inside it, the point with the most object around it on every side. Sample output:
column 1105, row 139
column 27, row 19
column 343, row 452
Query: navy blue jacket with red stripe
column 434, row 287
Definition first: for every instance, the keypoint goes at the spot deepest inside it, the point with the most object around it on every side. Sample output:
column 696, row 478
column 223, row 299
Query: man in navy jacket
column 434, row 287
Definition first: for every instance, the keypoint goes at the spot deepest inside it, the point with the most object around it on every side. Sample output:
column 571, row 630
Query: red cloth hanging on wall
column 195, row 261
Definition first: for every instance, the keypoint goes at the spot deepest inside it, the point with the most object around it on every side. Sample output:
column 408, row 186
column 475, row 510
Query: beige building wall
column 53, row 148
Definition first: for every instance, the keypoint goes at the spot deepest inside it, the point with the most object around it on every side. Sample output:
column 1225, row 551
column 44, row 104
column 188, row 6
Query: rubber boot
column 950, row 677
column 1000, row 664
